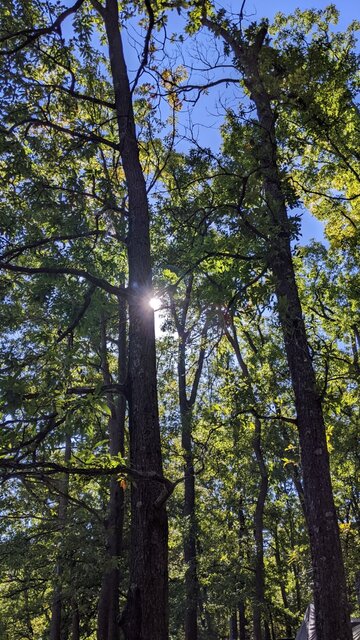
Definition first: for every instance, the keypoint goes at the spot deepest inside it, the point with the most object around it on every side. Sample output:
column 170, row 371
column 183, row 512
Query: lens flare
column 155, row 303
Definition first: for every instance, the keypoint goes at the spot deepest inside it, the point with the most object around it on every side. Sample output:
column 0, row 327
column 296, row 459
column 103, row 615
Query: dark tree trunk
column 233, row 626
column 294, row 565
column 146, row 614
column 210, row 633
column 330, row 596
column 190, row 531
column 259, row 605
column 186, row 405
column 108, row 608
column 57, row 601
column 28, row 614
column 241, row 603
column 56, row 607
column 259, row 592
column 242, row 622
column 280, row 567
column 75, row 622
column 357, row 586
column 267, row 627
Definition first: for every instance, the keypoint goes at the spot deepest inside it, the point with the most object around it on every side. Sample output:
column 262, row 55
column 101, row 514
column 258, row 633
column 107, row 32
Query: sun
column 155, row 303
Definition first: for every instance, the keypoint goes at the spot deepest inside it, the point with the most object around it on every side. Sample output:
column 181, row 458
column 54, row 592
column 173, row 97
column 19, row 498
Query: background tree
column 91, row 180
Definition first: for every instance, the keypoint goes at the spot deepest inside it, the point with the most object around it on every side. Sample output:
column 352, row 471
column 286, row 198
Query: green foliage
column 63, row 218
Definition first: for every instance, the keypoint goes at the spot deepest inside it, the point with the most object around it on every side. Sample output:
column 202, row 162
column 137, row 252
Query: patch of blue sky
column 200, row 120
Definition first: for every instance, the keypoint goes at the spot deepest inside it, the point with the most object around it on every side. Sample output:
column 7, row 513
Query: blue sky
column 268, row 8
column 206, row 115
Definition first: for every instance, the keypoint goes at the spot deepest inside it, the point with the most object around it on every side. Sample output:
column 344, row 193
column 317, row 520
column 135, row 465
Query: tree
column 95, row 197
column 148, row 581
column 108, row 608
column 330, row 597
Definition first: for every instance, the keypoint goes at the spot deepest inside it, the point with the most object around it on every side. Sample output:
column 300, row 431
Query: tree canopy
column 190, row 472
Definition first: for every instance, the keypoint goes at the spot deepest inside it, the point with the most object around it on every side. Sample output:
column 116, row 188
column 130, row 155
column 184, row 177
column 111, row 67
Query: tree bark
column 108, row 608
column 330, row 597
column 28, row 613
column 233, row 626
column 329, row 584
column 242, row 621
column 57, row 601
column 280, row 568
column 190, row 531
column 241, row 603
column 259, row 592
column 146, row 613
column 186, row 405
column 75, row 621
column 210, row 630
column 259, row 605
column 294, row 565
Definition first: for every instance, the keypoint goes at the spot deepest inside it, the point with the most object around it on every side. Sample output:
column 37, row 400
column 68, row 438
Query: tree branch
column 200, row 364
column 146, row 44
column 114, row 387
column 12, row 469
column 34, row 34
column 79, row 315
column 36, row 122
column 18, row 250
column 67, row 271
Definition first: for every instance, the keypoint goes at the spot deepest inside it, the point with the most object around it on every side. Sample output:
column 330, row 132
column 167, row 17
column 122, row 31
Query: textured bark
column 332, row 617
column 146, row 614
column 233, row 626
column 57, row 600
column 329, row 585
column 108, row 608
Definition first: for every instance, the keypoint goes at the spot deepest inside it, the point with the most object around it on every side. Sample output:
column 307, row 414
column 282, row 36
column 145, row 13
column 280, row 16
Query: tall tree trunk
column 294, row 565
column 233, row 626
column 241, row 603
column 242, row 621
column 186, row 404
column 280, row 568
column 108, row 608
column 330, row 598
column 259, row 605
column 329, row 584
column 146, row 614
column 190, row 530
column 75, row 621
column 29, row 626
column 259, row 600
column 210, row 633
column 57, row 601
